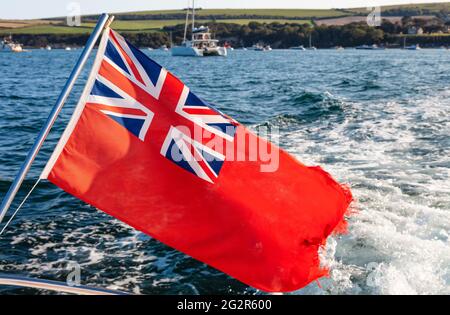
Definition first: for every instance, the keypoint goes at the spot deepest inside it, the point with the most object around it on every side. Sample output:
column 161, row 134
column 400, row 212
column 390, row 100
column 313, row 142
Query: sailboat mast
column 186, row 24
column 193, row 18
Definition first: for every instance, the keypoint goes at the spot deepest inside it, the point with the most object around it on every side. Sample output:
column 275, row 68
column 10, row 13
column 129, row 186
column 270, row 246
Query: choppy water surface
column 377, row 120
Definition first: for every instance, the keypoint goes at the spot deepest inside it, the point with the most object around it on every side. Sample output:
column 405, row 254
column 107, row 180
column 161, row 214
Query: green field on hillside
column 130, row 26
column 159, row 24
column 47, row 29
column 432, row 7
column 289, row 13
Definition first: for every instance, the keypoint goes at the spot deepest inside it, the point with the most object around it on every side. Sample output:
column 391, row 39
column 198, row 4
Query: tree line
column 287, row 35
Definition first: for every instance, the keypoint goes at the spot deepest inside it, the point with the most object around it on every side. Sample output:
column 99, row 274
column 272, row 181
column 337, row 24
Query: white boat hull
column 186, row 51
column 195, row 52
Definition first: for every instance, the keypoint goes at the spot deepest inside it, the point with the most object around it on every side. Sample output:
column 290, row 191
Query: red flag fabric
column 145, row 149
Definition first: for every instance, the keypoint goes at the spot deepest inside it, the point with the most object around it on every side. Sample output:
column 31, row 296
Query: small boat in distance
column 8, row 45
column 228, row 46
column 48, row 47
column 371, row 47
column 301, row 47
column 259, row 47
column 413, row 47
column 202, row 44
column 67, row 48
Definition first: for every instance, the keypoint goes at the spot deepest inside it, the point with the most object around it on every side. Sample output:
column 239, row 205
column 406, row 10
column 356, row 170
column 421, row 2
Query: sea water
column 376, row 120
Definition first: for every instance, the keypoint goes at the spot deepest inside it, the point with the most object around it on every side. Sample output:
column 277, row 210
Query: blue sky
column 25, row 9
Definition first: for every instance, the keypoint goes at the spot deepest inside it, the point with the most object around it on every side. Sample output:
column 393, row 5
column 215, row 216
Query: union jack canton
column 152, row 104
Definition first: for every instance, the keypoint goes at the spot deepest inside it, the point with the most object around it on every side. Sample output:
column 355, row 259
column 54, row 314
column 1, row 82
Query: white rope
column 20, row 206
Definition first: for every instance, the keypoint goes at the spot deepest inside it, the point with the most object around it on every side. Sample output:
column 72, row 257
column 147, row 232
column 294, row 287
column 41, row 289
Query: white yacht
column 298, row 48
column 7, row 45
column 259, row 47
column 202, row 44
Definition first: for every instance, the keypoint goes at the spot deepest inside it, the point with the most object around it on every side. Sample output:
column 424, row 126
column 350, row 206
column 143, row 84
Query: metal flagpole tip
column 110, row 20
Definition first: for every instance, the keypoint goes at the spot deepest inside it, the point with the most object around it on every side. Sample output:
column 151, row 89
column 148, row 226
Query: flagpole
column 103, row 21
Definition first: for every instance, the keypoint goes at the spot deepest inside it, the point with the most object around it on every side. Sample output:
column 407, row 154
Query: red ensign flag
column 145, row 149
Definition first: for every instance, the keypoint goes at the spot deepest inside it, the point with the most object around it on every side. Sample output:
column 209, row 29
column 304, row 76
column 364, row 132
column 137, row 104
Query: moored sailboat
column 201, row 44
column 311, row 47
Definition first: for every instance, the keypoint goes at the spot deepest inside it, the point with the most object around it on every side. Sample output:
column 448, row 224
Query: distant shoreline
column 280, row 28
column 322, row 37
